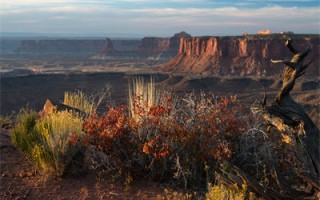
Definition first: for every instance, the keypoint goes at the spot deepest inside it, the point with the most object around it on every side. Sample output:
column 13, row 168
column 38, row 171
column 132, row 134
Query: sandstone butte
column 244, row 56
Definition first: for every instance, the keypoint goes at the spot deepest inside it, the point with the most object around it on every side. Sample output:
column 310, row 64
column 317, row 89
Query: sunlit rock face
column 243, row 56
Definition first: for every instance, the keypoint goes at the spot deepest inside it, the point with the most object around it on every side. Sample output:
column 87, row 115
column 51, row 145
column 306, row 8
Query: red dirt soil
column 19, row 180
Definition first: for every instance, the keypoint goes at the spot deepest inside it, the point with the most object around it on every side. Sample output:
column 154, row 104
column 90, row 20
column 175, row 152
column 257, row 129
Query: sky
column 158, row 17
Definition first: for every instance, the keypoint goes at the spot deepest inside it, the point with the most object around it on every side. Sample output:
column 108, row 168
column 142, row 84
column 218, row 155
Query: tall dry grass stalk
column 142, row 92
column 80, row 101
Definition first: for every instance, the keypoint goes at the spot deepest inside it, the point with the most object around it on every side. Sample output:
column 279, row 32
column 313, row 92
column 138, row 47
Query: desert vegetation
column 197, row 141
column 47, row 142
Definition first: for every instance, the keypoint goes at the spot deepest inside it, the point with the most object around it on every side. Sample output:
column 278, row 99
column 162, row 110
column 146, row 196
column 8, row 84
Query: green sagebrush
column 46, row 142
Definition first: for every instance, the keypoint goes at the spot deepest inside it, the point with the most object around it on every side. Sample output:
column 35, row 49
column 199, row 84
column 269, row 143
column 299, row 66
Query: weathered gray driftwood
column 288, row 116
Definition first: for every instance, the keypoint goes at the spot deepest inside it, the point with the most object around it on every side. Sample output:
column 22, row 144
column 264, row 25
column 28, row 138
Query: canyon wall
column 149, row 48
column 238, row 55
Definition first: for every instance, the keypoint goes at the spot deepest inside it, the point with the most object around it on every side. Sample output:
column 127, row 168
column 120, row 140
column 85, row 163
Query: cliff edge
column 244, row 56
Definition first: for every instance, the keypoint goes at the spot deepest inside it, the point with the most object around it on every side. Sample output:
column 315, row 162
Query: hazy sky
column 159, row 17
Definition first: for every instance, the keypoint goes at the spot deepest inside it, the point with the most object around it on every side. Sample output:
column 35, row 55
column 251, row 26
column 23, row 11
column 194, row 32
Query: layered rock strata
column 237, row 55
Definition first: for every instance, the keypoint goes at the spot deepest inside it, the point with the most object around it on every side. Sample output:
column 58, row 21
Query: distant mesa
column 58, row 48
column 239, row 56
column 246, row 55
column 150, row 48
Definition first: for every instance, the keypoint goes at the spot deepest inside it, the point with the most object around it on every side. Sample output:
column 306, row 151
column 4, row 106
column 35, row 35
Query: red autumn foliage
column 204, row 132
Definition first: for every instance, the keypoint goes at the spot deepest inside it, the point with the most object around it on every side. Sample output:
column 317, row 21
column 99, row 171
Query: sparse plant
column 102, row 95
column 169, row 194
column 24, row 136
column 80, row 101
column 217, row 192
column 208, row 128
column 6, row 121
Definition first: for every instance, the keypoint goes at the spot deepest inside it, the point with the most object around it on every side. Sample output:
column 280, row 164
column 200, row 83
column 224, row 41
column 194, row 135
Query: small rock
column 22, row 175
column 29, row 174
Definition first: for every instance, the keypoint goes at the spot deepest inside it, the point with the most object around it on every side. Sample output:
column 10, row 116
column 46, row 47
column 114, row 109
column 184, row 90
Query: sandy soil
column 19, row 180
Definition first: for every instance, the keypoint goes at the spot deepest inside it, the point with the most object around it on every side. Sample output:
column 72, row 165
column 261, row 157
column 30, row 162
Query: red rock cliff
column 237, row 55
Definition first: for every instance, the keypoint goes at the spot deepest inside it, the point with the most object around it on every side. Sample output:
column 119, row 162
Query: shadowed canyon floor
column 34, row 89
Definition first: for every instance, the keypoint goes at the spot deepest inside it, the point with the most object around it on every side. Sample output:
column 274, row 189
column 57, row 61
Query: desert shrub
column 171, row 138
column 49, row 142
column 116, row 147
column 206, row 133
column 163, row 136
column 59, row 132
column 223, row 192
column 182, row 138
column 24, row 136
column 155, row 131
column 80, row 101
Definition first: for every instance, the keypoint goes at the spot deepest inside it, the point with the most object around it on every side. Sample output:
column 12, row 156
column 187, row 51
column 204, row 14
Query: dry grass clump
column 220, row 191
column 80, row 101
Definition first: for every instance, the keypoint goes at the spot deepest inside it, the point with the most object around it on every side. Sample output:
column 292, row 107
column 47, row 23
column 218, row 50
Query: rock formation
column 247, row 55
column 50, row 107
column 150, row 48
column 108, row 47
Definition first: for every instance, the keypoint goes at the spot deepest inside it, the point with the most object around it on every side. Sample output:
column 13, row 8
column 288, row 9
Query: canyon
column 247, row 55
column 33, row 70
